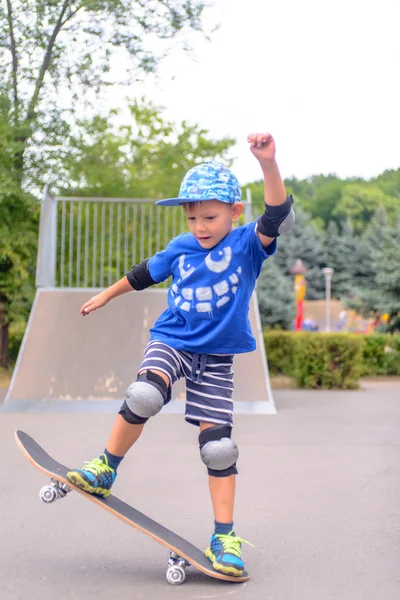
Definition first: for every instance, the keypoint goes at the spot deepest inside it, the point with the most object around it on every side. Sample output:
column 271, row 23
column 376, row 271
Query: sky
column 322, row 77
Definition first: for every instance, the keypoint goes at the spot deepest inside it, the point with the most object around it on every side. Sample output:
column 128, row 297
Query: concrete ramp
column 67, row 357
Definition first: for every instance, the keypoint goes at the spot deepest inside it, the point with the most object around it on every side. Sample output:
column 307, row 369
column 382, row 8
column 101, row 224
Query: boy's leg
column 98, row 476
column 124, row 435
column 224, row 550
column 209, row 405
column 222, row 491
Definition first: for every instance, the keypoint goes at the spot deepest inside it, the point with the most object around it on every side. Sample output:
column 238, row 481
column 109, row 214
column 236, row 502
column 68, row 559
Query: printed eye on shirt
column 210, row 292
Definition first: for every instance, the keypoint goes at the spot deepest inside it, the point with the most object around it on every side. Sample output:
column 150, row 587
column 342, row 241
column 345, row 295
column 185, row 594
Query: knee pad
column 218, row 452
column 144, row 398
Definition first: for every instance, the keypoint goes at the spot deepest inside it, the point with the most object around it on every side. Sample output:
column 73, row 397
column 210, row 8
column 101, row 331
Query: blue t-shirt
column 208, row 300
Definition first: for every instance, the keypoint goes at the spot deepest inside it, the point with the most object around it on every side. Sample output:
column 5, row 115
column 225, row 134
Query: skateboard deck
column 182, row 552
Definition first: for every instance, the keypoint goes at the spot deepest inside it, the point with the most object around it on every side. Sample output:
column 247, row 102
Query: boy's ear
column 237, row 209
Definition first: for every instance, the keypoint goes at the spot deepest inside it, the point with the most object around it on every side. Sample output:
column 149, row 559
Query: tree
column 369, row 255
column 304, row 242
column 18, row 222
column 388, row 273
column 359, row 202
column 146, row 158
column 275, row 297
column 318, row 195
column 377, row 276
column 389, row 182
column 327, row 192
column 68, row 47
column 340, row 249
column 55, row 54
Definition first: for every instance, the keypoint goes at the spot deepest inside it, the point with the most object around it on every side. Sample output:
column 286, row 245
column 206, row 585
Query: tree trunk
column 4, row 358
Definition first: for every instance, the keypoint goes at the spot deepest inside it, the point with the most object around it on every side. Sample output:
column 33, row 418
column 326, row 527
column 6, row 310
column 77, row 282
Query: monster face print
column 218, row 270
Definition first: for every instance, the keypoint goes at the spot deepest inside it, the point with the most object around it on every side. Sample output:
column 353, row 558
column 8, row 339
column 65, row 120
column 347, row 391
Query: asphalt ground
column 318, row 496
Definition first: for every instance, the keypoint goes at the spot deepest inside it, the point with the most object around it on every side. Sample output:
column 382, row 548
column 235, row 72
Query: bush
column 317, row 360
column 381, row 355
column 328, row 361
column 280, row 349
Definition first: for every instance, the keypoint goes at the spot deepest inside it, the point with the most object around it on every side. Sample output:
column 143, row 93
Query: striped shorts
column 209, row 381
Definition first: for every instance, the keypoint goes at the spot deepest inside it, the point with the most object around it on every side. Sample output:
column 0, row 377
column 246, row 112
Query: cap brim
column 175, row 201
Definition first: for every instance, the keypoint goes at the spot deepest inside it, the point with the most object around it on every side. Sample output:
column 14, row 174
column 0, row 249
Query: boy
column 214, row 270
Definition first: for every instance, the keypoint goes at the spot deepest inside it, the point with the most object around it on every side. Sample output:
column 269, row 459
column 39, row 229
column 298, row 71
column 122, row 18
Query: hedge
column 381, row 355
column 331, row 360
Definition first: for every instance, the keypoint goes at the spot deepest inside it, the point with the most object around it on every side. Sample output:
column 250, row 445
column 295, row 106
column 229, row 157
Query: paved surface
column 318, row 496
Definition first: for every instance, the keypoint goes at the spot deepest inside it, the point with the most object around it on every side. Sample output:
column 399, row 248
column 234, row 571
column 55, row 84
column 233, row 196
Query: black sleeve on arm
column 277, row 219
column 139, row 276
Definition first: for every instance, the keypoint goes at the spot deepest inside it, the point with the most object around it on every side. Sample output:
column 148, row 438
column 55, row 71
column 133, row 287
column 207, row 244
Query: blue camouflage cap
column 208, row 181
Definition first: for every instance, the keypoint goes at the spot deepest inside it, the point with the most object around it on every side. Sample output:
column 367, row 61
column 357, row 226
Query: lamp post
column 328, row 272
column 299, row 270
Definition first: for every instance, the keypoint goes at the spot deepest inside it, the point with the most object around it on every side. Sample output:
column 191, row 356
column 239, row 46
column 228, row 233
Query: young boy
column 214, row 270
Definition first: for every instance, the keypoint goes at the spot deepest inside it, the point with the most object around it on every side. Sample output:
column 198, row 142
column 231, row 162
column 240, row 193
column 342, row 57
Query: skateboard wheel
column 48, row 494
column 176, row 575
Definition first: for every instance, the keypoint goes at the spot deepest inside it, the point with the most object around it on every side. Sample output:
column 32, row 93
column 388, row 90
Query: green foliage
column 317, row 360
column 340, row 249
column 328, row 198
column 320, row 360
column 19, row 213
column 55, row 57
column 389, row 182
column 376, row 276
column 72, row 44
column 275, row 297
column 328, row 360
column 359, row 202
column 280, row 347
column 304, row 242
column 64, row 50
column 144, row 158
column 388, row 272
column 381, row 355
column 318, row 195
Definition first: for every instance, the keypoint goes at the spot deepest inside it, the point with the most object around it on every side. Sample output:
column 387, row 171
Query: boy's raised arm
column 279, row 216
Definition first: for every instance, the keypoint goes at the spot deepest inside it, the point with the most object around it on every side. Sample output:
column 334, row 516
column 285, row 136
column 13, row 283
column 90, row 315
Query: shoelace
column 97, row 466
column 231, row 543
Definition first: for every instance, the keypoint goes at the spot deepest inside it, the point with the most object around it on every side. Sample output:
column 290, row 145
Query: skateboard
column 182, row 553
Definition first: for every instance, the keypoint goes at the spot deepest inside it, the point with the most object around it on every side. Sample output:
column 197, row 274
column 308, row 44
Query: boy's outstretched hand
column 94, row 303
column 262, row 146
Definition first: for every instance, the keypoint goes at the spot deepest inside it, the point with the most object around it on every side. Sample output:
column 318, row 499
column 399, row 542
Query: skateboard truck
column 54, row 491
column 176, row 572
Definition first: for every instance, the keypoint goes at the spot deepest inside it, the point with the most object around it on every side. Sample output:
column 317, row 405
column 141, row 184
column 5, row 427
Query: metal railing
column 92, row 242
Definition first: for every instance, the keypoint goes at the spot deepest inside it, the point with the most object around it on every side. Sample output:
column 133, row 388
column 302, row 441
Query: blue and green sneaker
column 96, row 477
column 225, row 553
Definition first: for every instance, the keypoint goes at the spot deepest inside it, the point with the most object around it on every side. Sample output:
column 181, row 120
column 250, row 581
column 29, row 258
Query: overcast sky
column 322, row 77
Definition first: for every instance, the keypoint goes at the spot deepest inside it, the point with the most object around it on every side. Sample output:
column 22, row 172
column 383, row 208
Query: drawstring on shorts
column 201, row 361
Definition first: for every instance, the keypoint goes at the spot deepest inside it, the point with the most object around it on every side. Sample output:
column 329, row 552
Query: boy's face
column 211, row 220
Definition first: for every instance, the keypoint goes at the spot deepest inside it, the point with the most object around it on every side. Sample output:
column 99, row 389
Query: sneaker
column 96, row 477
column 225, row 554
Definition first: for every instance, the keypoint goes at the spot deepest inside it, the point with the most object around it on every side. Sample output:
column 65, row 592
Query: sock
column 113, row 461
column 223, row 528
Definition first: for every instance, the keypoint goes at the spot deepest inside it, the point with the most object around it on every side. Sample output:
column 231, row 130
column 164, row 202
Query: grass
column 5, row 377
column 282, row 382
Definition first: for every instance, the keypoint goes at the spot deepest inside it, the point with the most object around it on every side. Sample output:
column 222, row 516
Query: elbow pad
column 277, row 219
column 139, row 276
